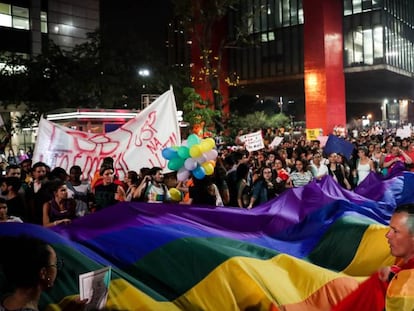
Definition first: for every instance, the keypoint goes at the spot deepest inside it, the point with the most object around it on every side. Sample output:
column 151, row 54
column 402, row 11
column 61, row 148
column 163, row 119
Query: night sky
column 145, row 20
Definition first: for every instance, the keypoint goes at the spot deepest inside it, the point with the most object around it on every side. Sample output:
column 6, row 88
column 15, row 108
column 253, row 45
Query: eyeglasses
column 58, row 265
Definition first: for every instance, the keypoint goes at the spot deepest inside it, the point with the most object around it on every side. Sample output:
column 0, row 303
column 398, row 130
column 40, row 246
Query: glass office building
column 26, row 26
column 378, row 41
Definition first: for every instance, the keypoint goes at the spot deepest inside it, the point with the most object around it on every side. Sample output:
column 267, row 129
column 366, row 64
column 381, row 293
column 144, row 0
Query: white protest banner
column 403, row 132
column 276, row 142
column 253, row 141
column 138, row 143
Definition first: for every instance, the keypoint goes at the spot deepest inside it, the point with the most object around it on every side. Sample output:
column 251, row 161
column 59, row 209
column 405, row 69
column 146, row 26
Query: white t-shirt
column 13, row 219
column 157, row 194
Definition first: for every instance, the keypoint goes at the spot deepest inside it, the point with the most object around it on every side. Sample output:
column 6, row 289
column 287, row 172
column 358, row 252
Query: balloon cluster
column 196, row 156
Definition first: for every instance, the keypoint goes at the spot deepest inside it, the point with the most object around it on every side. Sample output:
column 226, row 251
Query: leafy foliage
column 257, row 120
column 91, row 75
column 196, row 110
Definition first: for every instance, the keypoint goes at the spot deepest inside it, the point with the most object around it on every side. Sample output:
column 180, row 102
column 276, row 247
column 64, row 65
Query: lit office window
column 347, row 7
column 300, row 13
column 378, row 43
column 20, row 17
column 43, row 22
column 357, row 5
column 267, row 36
column 5, row 15
column 368, row 47
column 358, row 46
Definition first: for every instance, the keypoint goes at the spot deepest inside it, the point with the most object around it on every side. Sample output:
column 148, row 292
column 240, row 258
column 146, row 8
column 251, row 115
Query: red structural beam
column 324, row 75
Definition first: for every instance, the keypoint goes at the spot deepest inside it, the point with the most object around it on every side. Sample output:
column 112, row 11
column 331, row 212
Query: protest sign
column 253, row 141
column 94, row 286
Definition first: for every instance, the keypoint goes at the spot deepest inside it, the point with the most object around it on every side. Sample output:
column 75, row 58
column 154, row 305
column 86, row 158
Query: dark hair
column 38, row 164
column 108, row 160
column 14, row 182
column 304, row 164
column 133, row 176
column 26, row 161
column 242, row 170
column 55, row 184
column 364, row 150
column 12, row 167
column 58, row 172
column 23, row 260
column 104, row 168
column 144, row 171
column 154, row 170
column 75, row 167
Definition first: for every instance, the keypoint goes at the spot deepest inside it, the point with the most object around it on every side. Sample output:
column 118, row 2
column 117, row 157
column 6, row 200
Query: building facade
column 378, row 54
column 27, row 27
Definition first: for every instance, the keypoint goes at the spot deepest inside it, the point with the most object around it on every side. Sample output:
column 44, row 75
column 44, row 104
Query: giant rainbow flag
column 305, row 250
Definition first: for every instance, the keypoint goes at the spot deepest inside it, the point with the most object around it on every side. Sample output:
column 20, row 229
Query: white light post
column 384, row 110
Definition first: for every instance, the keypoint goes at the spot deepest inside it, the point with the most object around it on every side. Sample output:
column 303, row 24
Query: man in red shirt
column 372, row 294
column 396, row 155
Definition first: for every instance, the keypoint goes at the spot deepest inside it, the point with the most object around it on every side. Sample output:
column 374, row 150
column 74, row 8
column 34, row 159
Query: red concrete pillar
column 219, row 63
column 324, row 73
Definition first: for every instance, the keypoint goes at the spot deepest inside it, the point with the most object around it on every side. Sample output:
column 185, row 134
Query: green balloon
column 176, row 163
column 183, row 152
column 192, row 140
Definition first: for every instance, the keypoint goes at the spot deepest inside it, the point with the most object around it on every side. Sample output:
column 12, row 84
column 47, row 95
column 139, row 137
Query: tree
column 201, row 19
column 91, row 75
column 204, row 20
column 13, row 79
column 197, row 113
column 258, row 120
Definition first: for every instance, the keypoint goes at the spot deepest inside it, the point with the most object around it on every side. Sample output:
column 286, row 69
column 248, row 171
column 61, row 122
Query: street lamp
column 144, row 72
column 280, row 104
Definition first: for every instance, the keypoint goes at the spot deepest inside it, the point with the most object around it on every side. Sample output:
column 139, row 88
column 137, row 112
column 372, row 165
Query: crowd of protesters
column 36, row 193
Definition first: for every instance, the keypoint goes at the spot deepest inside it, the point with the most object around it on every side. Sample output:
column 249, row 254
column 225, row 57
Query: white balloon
column 183, row 174
column 201, row 159
column 211, row 155
column 190, row 164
